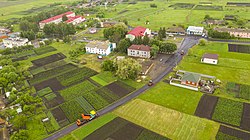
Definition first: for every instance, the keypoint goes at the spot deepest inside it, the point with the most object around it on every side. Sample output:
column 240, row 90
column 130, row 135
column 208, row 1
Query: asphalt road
column 173, row 61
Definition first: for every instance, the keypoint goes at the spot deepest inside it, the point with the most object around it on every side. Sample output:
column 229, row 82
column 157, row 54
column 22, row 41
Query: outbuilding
column 210, row 58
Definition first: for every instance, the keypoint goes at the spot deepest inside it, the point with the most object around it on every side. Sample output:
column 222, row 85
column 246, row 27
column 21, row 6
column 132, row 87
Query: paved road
column 173, row 60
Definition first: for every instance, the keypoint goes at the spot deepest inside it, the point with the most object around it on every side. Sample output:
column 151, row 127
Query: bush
column 153, row 5
column 202, row 42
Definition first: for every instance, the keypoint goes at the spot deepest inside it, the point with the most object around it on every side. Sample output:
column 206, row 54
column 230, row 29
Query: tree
column 202, row 42
column 162, row 33
column 154, row 50
column 128, row 68
column 115, row 33
column 145, row 40
column 64, row 18
column 123, row 45
column 167, row 47
column 216, row 34
column 19, row 121
column 137, row 41
column 108, row 65
column 20, row 135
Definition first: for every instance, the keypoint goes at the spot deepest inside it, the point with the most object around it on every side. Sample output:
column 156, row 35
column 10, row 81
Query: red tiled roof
column 138, row 31
column 70, row 19
column 56, row 17
column 139, row 47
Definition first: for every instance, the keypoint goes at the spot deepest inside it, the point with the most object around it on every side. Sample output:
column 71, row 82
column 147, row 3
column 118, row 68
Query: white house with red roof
column 138, row 32
column 72, row 18
column 139, row 51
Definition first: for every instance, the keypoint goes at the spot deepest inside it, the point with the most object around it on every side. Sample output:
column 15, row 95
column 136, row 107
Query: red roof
column 139, row 47
column 138, row 31
column 70, row 19
column 56, row 17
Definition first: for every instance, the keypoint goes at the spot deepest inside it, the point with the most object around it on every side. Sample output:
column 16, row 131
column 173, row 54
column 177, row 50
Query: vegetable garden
column 239, row 48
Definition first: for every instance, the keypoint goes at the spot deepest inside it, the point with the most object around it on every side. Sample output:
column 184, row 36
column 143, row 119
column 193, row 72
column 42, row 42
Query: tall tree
column 64, row 18
column 123, row 45
column 128, row 68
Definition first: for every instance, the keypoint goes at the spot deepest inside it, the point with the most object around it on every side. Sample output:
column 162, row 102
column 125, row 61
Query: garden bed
column 95, row 100
column 53, row 83
column 106, row 94
column 85, row 105
column 60, row 117
column 43, row 50
column 54, row 102
column 228, row 111
column 245, row 121
column 206, row 106
column 208, row 7
column 240, row 90
column 54, row 64
column 182, row 6
column 231, row 133
column 49, row 59
column 239, row 48
column 245, row 4
column 44, row 91
column 119, row 88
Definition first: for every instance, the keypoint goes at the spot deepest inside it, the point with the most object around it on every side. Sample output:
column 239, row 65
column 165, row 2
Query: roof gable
column 138, row 31
column 139, row 47
column 191, row 77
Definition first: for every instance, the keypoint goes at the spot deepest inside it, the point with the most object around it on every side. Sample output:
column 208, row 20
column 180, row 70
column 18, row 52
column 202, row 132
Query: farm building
column 100, row 47
column 15, row 42
column 193, row 30
column 139, row 51
column 210, row 58
column 138, row 32
column 108, row 24
column 242, row 33
column 175, row 31
column 191, row 79
column 215, row 22
column 72, row 18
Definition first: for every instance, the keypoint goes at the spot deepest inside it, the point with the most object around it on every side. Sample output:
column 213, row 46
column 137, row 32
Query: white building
column 139, row 51
column 100, row 47
column 76, row 20
column 193, row 30
column 15, row 42
column 210, row 58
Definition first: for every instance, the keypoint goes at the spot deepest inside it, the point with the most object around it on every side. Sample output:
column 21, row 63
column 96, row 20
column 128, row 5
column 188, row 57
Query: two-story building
column 100, row 47
column 242, row 33
column 139, row 51
column 15, row 42
column 138, row 32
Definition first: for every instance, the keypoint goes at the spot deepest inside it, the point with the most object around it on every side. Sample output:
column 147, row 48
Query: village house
column 72, row 18
column 242, row 33
column 215, row 22
column 139, row 51
column 15, row 42
column 108, row 24
column 138, row 32
column 100, row 47
column 190, row 79
column 175, row 31
column 210, row 58
column 193, row 30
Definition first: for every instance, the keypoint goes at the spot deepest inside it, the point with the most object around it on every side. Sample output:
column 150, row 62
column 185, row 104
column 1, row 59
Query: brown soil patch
column 59, row 115
column 48, row 59
column 118, row 89
column 245, row 120
column 206, row 106
column 234, row 132
column 53, row 83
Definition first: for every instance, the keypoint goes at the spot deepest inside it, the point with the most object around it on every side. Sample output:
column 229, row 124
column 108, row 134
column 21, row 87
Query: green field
column 84, row 131
column 168, row 122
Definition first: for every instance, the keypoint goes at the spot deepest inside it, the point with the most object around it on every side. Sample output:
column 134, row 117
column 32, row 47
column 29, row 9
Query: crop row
column 72, row 110
column 76, row 76
column 244, row 92
column 128, row 87
column 77, row 90
column 54, row 64
column 95, row 100
column 84, row 104
column 228, row 111
column 222, row 136
column 44, row 91
column 49, row 59
column 43, row 50
column 51, row 73
column 108, row 95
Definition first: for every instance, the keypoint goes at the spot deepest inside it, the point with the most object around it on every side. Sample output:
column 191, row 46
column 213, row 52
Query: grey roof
column 211, row 56
column 98, row 44
column 195, row 28
column 192, row 77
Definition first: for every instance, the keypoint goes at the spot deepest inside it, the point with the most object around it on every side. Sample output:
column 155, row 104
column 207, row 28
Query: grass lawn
column 104, row 78
column 89, row 128
column 168, row 122
column 176, row 98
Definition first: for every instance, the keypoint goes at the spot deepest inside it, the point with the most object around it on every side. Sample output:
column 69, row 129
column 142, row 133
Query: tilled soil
column 245, row 120
column 53, row 83
column 234, row 132
column 49, row 59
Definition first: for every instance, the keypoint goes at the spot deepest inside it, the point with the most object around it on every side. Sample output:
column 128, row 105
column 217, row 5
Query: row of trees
column 115, row 33
column 221, row 35
column 59, row 30
column 125, row 69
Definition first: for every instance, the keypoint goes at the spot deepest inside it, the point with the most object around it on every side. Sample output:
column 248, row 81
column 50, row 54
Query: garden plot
column 72, row 110
column 208, row 7
column 76, row 76
column 95, row 100
column 119, row 88
column 60, row 117
column 240, row 90
column 54, row 64
column 227, row 133
column 168, row 122
column 53, row 84
column 206, row 106
column 123, row 130
column 51, row 73
column 108, row 95
column 49, row 59
column 182, row 6
column 77, row 90
column 245, row 121
column 228, row 111
column 87, row 107
column 36, row 70
column 53, row 101
column 238, row 4
column 44, row 91
column 239, row 48
column 43, row 50
column 104, row 78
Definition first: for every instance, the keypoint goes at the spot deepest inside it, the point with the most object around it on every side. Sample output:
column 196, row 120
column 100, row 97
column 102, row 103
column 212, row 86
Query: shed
column 190, row 79
column 210, row 58
column 19, row 110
